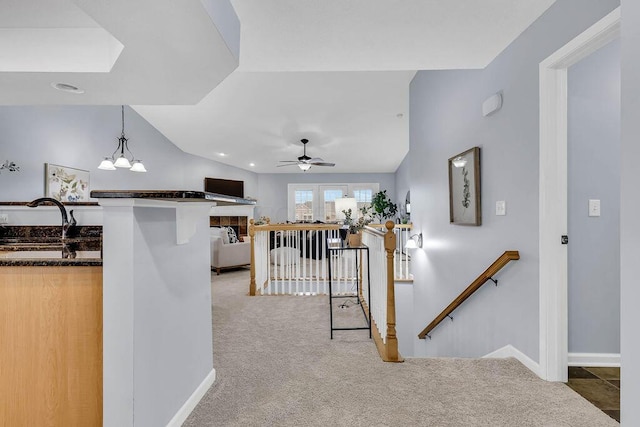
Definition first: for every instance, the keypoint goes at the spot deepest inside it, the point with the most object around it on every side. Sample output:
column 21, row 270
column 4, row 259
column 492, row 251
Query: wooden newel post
column 252, row 236
column 391, row 341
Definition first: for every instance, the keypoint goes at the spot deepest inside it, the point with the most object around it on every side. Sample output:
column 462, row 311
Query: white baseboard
column 193, row 400
column 510, row 351
column 595, row 359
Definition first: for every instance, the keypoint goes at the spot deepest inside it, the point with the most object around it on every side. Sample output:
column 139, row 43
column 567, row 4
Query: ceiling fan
column 305, row 162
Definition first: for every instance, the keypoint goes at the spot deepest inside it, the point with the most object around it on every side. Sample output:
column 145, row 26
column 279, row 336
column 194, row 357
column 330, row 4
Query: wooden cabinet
column 50, row 346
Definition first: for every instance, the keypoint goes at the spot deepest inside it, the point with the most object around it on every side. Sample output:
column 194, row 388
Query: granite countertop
column 47, row 254
column 172, row 195
column 50, row 262
column 35, row 246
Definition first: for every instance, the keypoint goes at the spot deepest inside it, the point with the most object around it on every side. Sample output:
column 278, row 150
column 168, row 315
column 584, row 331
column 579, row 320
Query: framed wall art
column 464, row 188
column 66, row 184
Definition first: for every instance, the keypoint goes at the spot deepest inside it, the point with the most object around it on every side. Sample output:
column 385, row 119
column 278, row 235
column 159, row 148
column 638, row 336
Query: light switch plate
column 4, row 218
column 594, row 207
column 501, row 207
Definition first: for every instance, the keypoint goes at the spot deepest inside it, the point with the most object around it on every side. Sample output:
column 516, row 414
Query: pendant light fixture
column 131, row 163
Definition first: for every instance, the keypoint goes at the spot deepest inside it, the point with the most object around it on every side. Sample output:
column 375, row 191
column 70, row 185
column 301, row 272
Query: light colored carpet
column 276, row 366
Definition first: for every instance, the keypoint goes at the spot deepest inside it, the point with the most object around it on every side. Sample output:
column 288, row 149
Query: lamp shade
column 304, row 166
column 411, row 244
column 107, row 165
column 122, row 162
column 344, row 204
column 137, row 166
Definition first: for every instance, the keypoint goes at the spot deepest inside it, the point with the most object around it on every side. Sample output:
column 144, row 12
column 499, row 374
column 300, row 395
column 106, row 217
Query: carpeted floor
column 276, row 366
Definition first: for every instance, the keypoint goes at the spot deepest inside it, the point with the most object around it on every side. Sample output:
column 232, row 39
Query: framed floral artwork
column 66, row 184
column 464, row 188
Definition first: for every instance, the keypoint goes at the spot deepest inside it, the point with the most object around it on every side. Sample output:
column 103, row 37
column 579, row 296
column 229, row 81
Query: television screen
column 228, row 187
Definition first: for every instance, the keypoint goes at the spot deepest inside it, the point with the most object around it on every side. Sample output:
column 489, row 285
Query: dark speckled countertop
column 40, row 246
column 172, row 195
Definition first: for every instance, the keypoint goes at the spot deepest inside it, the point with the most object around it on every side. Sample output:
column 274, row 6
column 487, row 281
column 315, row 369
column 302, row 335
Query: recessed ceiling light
column 252, row 164
column 221, row 154
column 67, row 88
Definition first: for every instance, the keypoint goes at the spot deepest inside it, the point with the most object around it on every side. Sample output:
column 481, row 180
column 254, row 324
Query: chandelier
column 123, row 161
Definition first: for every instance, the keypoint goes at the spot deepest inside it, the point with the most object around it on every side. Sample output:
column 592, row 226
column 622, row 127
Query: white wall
column 80, row 136
column 629, row 208
column 594, row 173
column 272, row 196
column 448, row 105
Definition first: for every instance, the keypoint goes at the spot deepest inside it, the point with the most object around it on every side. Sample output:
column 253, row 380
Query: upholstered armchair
column 225, row 254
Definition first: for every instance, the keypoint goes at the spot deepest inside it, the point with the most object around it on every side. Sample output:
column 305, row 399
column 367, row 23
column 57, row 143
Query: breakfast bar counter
column 156, row 303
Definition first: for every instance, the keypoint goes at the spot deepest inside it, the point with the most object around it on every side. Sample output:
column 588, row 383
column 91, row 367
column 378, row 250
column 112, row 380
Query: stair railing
column 474, row 286
column 382, row 247
column 402, row 258
column 291, row 259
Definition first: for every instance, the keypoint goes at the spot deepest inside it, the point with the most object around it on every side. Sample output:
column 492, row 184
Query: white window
column 312, row 202
column 329, row 194
column 303, row 205
column 363, row 197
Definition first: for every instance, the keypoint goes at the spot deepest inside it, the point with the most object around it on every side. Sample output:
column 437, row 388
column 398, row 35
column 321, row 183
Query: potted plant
column 355, row 226
column 382, row 207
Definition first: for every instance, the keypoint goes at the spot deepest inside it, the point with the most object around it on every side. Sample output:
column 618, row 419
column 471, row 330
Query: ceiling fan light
column 107, row 165
column 304, row 166
column 122, row 162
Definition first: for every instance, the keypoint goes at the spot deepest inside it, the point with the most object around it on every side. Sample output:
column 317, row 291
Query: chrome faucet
column 66, row 225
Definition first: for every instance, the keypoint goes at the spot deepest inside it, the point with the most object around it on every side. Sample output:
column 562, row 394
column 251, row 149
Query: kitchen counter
column 34, row 246
column 151, row 238
column 51, row 329
column 172, row 195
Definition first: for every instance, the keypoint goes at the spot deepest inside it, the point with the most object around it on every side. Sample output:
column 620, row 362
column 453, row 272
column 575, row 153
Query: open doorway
column 593, row 178
column 553, row 193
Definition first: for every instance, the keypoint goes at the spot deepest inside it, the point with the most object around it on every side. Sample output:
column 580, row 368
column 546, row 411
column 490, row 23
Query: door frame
column 553, row 193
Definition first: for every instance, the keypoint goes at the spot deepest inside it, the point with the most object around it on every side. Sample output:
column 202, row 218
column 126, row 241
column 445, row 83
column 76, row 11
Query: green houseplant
column 355, row 226
column 382, row 207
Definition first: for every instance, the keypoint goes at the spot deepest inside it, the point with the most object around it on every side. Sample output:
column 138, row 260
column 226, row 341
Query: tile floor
column 600, row 386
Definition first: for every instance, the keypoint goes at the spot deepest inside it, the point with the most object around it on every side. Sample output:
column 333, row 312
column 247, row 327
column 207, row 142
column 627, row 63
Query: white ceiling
column 357, row 35
column 173, row 53
column 334, row 71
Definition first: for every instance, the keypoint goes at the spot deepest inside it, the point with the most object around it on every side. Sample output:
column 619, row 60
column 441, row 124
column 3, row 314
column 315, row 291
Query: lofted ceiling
column 335, row 72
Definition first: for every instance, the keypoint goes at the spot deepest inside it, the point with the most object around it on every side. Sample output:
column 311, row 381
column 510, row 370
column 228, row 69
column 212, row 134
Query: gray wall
column 272, row 196
column 172, row 316
column 80, row 136
column 448, row 105
column 629, row 208
column 594, row 173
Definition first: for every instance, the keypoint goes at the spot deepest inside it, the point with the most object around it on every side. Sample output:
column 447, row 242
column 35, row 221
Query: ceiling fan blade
column 305, row 160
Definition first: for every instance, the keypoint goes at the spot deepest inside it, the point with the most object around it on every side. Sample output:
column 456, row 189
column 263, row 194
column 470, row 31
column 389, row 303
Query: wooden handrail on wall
column 474, row 286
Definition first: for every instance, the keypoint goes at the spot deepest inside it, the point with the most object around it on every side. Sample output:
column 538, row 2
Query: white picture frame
column 66, row 184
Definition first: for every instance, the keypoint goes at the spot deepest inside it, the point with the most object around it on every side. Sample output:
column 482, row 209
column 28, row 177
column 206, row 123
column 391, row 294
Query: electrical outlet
column 501, row 207
column 4, row 218
column 594, row 207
